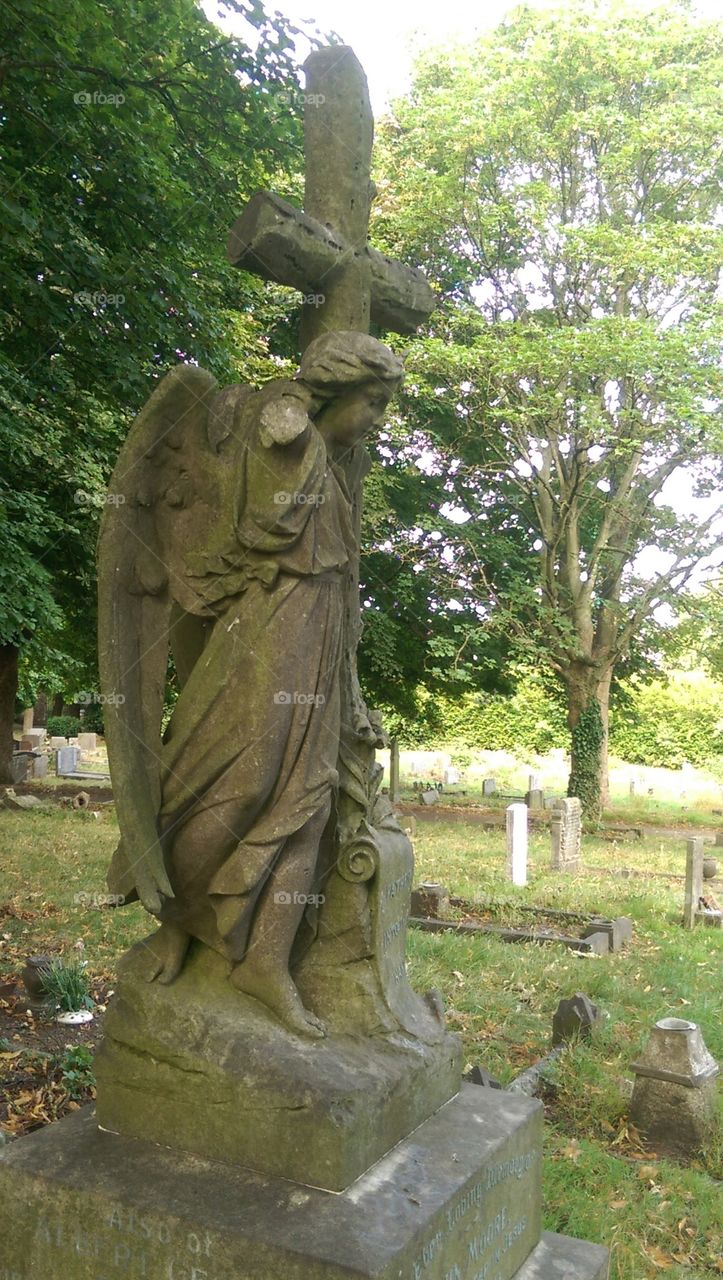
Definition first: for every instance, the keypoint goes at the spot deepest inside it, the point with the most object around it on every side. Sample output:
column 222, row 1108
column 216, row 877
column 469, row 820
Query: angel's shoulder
column 282, row 413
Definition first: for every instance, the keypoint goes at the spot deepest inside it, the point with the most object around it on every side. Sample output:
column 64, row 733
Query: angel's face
column 350, row 416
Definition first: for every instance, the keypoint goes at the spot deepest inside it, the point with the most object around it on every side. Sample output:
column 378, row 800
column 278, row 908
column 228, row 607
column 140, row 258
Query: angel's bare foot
column 169, row 948
column 277, row 991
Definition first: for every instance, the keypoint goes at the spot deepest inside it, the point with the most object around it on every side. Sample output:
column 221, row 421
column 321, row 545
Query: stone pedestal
column 459, row 1199
column 202, row 1068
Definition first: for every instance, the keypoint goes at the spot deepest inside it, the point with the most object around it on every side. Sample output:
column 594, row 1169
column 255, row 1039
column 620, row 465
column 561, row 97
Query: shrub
column 63, row 727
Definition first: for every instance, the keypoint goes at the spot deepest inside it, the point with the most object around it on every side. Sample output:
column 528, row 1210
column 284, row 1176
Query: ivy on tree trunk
column 586, row 763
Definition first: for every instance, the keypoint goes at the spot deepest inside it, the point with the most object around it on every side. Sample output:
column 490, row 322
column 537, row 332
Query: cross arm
column 279, row 242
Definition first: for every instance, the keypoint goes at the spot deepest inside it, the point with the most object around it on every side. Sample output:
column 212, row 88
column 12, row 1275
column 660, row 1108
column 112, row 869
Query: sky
column 385, row 33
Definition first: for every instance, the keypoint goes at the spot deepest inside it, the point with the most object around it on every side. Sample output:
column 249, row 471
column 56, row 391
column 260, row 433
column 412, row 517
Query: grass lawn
column 656, row 1216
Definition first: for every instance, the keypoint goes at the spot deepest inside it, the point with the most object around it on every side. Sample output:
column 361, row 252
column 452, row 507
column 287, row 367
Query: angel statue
column 232, row 538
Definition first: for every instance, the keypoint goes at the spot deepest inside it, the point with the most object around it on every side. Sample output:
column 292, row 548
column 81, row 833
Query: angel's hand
column 152, row 881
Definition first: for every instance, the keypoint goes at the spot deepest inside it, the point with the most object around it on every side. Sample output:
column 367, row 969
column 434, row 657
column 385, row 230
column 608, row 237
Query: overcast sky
column 385, row 33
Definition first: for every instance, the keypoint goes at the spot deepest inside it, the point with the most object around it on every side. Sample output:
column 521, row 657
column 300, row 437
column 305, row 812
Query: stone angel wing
column 170, row 493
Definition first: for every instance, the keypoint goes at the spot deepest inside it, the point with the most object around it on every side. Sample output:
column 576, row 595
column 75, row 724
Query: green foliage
column 132, row 134
column 586, row 748
column 671, row 721
column 63, row 726
column 76, row 1066
column 559, row 179
column 532, row 719
column 67, row 984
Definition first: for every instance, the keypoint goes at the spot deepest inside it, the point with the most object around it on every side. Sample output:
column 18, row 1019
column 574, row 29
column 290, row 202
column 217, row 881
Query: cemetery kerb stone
column 231, row 1138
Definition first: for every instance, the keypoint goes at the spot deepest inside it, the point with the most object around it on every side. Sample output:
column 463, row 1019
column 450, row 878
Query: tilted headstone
column 574, row 1017
column 693, row 880
column 517, row 843
column 674, row 1102
column 566, row 835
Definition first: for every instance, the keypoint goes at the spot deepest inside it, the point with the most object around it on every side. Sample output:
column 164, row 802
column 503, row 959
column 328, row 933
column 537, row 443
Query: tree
column 131, row 135
column 573, row 162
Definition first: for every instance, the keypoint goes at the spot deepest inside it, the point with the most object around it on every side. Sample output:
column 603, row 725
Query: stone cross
column 323, row 251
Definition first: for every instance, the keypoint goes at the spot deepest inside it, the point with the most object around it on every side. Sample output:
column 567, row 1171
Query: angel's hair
column 337, row 361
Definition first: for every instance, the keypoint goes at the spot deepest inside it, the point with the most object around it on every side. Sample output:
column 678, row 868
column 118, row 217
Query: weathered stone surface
column 574, row 1017
column 693, row 880
column 430, row 901
column 200, row 1067
column 565, row 835
column 460, row 1196
column 559, row 1257
column 674, row 1098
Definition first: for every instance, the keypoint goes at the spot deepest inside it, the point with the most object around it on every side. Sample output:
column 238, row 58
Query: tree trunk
column 587, row 717
column 8, row 692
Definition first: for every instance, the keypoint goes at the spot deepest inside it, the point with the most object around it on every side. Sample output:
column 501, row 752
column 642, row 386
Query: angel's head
column 352, row 378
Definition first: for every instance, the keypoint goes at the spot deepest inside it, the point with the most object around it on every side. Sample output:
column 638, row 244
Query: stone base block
column 457, row 1200
column 198, row 1066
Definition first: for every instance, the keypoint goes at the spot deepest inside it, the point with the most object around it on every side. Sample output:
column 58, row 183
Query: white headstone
column 517, row 843
column 87, row 741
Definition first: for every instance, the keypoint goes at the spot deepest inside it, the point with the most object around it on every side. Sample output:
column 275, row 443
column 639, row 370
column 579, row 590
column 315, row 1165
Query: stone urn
column 33, row 976
column 674, row 1099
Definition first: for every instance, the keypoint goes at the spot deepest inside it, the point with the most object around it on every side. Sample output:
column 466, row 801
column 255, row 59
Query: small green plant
column 76, row 1067
column 67, row 985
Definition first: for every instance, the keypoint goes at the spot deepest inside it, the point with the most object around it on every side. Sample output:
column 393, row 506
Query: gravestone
column 87, row 741
column 566, row 835
column 273, row 1097
column 693, row 880
column 574, row 1017
column 535, row 798
column 516, row 829
column 674, row 1102
column 489, row 786
column 394, row 770
column 56, row 742
column 66, row 761
column 719, row 840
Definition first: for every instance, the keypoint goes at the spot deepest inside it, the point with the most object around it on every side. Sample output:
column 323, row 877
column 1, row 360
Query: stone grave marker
column 674, row 1102
column 273, row 1097
column 87, row 741
column 517, row 843
column 66, row 761
column 566, row 835
column 489, row 786
column 693, row 880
